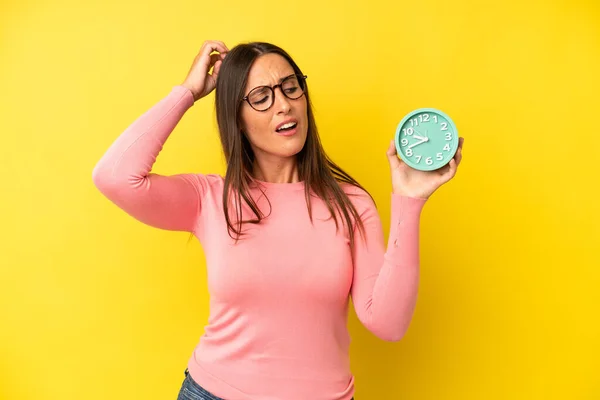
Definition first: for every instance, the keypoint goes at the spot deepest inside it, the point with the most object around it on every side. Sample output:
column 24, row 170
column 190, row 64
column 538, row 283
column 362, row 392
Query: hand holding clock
column 421, row 174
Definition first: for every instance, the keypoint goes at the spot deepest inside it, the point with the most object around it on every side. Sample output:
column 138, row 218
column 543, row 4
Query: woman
column 289, row 237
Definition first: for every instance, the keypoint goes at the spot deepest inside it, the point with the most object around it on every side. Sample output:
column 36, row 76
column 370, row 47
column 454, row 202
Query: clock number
column 444, row 126
column 428, row 161
column 409, row 152
column 404, row 142
column 414, row 122
column 424, row 118
column 439, row 156
column 419, row 158
column 435, row 118
column 408, row 131
column 447, row 147
column 448, row 136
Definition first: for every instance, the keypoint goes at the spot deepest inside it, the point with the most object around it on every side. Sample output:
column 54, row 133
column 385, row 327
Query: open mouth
column 287, row 127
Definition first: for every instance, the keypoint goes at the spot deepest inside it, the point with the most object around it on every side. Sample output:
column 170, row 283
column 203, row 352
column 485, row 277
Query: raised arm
column 124, row 175
column 386, row 280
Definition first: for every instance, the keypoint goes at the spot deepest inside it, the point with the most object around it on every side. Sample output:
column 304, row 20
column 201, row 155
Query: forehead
column 268, row 69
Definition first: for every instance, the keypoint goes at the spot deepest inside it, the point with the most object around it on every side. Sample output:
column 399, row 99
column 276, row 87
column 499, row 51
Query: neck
column 276, row 170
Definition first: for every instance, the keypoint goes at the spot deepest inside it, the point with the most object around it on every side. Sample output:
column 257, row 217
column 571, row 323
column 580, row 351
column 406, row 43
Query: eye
column 260, row 101
column 260, row 96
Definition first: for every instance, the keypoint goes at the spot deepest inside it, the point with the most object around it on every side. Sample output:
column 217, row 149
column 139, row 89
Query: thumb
column 392, row 155
column 391, row 151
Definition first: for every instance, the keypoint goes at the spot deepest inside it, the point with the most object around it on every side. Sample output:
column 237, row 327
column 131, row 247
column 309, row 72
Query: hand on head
column 199, row 79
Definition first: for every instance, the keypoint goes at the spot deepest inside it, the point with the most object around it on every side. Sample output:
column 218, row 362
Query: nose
column 281, row 102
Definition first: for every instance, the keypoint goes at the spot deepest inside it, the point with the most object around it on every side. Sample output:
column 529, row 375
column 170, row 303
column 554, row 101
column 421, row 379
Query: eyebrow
column 287, row 76
column 280, row 80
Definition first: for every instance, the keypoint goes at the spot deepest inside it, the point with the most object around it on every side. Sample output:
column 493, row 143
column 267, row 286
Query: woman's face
column 266, row 130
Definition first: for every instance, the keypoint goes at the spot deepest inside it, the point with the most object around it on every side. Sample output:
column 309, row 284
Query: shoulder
column 214, row 179
column 354, row 191
column 360, row 198
column 207, row 184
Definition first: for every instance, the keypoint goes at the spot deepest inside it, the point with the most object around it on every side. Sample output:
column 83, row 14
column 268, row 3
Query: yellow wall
column 94, row 305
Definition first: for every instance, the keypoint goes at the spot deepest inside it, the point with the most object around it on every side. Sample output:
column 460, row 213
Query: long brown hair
column 319, row 173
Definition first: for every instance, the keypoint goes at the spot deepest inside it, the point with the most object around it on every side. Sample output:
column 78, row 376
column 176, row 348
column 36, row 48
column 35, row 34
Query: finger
column 391, row 151
column 450, row 171
column 205, row 52
column 214, row 58
column 215, row 45
column 217, row 67
column 226, row 49
column 392, row 155
column 458, row 157
column 207, row 60
column 220, row 44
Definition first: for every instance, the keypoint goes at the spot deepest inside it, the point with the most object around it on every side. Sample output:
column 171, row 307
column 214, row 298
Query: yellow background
column 94, row 305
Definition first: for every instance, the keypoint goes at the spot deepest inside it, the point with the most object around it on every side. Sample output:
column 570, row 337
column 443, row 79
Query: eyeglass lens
column 261, row 98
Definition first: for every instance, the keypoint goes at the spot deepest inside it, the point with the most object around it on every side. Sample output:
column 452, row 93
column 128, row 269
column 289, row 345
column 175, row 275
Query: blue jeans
column 191, row 390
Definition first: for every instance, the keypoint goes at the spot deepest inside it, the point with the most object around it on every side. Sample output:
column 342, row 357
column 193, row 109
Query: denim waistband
column 205, row 393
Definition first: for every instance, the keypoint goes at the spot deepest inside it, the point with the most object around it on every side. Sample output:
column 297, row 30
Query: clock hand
column 426, row 135
column 421, row 133
column 421, row 137
column 418, row 143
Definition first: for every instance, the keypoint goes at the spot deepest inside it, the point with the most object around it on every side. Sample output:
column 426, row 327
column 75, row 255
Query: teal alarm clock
column 426, row 139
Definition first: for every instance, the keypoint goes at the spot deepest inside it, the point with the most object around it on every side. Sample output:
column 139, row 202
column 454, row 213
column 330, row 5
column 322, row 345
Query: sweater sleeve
column 123, row 173
column 385, row 282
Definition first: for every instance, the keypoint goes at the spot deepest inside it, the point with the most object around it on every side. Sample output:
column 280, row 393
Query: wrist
column 404, row 193
column 191, row 89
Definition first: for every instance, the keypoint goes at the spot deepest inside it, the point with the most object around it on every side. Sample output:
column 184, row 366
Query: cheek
column 256, row 125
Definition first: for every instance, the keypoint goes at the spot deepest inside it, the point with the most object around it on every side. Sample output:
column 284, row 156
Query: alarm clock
column 426, row 139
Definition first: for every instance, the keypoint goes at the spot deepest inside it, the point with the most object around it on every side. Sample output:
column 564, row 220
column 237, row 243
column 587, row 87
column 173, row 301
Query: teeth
column 288, row 125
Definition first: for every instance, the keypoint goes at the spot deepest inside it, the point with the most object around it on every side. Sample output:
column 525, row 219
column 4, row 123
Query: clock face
column 426, row 139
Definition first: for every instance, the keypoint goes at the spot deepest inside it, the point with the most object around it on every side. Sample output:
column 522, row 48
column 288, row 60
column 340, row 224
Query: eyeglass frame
column 272, row 88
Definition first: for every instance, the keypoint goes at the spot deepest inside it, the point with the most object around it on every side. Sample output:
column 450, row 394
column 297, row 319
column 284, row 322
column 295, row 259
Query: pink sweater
column 279, row 298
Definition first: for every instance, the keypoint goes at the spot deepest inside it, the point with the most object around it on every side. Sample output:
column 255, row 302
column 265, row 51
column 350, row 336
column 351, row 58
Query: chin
column 291, row 148
column 282, row 146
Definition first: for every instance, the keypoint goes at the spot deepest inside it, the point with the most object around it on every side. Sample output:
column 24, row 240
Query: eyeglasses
column 261, row 98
